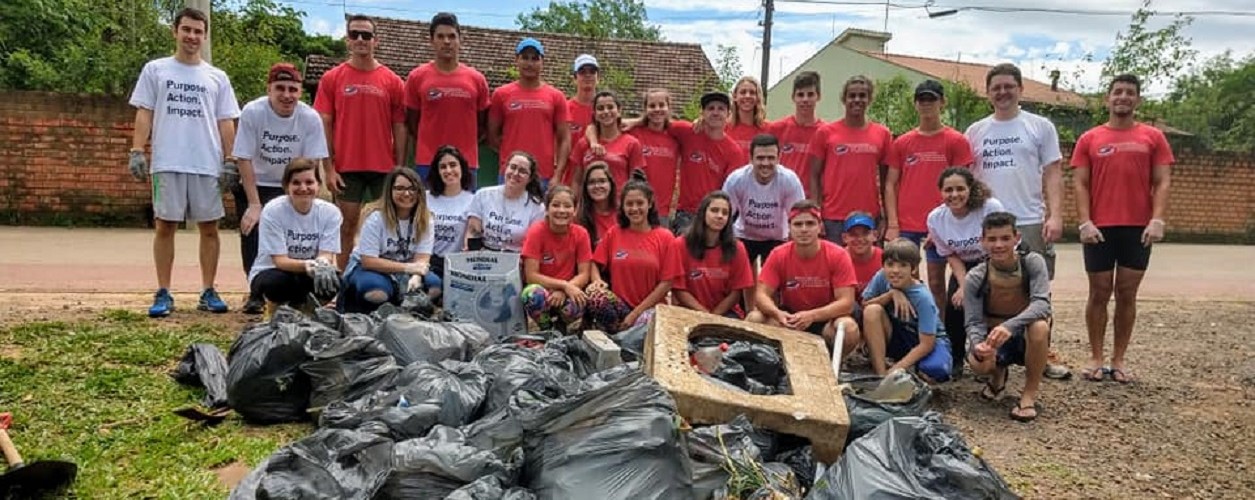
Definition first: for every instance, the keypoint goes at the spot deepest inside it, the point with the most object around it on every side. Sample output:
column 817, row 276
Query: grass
column 98, row 393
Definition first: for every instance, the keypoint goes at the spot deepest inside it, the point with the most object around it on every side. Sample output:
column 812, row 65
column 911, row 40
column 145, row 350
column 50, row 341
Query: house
column 629, row 67
column 857, row 51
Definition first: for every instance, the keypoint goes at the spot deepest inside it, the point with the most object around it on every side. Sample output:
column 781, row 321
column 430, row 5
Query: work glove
column 418, row 269
column 1153, row 232
column 326, row 281
column 415, row 283
column 229, row 177
column 1090, row 232
column 138, row 166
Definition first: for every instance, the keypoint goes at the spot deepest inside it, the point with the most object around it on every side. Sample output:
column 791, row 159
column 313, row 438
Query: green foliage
column 619, row 81
column 99, row 47
column 1216, row 103
column 1153, row 55
column 622, row 19
column 894, row 105
column 727, row 66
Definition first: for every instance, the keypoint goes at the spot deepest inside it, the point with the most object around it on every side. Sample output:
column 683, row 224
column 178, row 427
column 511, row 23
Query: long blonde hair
column 760, row 111
column 421, row 217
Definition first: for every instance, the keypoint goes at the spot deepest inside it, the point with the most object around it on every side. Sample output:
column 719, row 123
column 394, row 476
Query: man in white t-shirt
column 188, row 107
column 762, row 193
column 1017, row 154
column 274, row 130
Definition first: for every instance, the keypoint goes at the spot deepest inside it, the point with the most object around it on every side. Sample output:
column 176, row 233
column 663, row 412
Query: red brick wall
column 63, row 160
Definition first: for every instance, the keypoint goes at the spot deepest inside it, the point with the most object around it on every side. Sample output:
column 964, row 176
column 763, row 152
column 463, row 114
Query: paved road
column 120, row 260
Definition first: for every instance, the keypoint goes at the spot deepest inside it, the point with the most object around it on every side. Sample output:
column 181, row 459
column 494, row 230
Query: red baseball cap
column 283, row 72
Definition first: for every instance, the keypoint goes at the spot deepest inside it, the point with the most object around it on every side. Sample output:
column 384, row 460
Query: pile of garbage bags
column 419, row 407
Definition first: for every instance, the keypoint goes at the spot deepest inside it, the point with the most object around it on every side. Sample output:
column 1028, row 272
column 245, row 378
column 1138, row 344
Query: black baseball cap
column 710, row 97
column 930, row 87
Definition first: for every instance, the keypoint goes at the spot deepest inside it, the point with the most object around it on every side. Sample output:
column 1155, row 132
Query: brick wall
column 63, row 160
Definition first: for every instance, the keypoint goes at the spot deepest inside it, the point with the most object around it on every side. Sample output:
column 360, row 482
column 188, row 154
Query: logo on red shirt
column 434, row 94
column 697, row 157
column 786, row 148
column 696, row 274
column 621, row 254
column 350, row 89
column 792, row 284
column 516, row 105
column 547, row 259
column 912, row 159
column 1107, row 150
column 841, row 149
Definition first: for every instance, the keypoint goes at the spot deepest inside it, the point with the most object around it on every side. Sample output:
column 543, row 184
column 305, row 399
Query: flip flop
column 991, row 393
column 1023, row 418
column 1095, row 373
column 1122, row 376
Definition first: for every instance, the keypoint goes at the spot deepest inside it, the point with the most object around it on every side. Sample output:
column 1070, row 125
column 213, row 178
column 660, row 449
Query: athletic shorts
column 757, row 249
column 361, row 187
column 930, row 251
column 1031, row 240
column 833, row 229
column 180, row 196
column 680, row 222
column 1121, row 246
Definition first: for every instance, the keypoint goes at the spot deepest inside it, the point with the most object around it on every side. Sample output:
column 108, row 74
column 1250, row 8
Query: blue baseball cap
column 860, row 220
column 530, row 43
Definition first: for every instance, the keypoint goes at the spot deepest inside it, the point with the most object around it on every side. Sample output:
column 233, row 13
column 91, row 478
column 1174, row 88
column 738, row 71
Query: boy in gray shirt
column 1007, row 304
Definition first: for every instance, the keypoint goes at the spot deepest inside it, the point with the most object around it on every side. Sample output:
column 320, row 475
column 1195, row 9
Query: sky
column 1037, row 42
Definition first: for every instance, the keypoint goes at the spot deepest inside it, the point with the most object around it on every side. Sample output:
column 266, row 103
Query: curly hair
column 977, row 191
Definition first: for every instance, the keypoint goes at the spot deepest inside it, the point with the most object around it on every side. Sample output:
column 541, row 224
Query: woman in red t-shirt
column 661, row 151
column 640, row 259
column 622, row 152
column 597, row 212
column 557, row 257
column 717, row 277
column 749, row 117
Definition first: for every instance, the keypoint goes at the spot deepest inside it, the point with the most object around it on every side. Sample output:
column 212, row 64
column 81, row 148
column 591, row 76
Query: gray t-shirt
column 399, row 245
column 448, row 218
column 1034, row 268
column 284, row 231
column 271, row 141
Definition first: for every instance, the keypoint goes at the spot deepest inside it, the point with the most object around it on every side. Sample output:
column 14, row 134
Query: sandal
column 1025, row 418
column 991, row 393
column 1095, row 373
column 1121, row 375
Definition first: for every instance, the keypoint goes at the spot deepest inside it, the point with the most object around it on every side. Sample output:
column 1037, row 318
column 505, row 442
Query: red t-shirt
column 559, row 254
column 851, row 166
column 623, row 154
column 866, row 269
column 448, row 106
column 579, row 117
column 365, row 105
column 805, row 284
column 528, row 117
column 604, row 222
column 710, row 279
column 921, row 159
column 795, row 141
column 637, row 262
column 660, row 151
column 743, row 134
column 704, row 163
column 1120, row 163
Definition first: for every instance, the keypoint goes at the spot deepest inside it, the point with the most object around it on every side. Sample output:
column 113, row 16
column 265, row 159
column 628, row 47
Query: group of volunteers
column 809, row 225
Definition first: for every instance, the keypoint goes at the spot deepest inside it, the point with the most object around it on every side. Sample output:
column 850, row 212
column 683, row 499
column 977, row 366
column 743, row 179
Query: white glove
column 415, row 284
column 1153, row 232
column 416, row 268
column 1090, row 232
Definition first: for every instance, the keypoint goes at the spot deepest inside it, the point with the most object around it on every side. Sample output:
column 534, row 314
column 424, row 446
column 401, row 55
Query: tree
column 1216, row 103
column 622, row 19
column 894, row 105
column 727, row 66
column 1153, row 55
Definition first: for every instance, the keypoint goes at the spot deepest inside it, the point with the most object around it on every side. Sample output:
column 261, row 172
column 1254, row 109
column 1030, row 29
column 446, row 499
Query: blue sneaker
column 210, row 301
column 163, row 304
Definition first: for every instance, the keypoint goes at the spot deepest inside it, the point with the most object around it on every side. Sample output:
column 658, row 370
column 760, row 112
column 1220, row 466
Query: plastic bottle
column 708, row 359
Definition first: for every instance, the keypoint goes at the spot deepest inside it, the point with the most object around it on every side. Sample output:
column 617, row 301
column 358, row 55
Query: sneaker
column 163, row 304
column 1055, row 369
column 210, row 301
column 254, row 305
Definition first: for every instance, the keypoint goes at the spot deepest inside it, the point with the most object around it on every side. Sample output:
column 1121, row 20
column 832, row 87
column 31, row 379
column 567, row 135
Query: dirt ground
column 1186, row 429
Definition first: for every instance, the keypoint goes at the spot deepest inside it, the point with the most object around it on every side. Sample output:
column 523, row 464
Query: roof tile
column 973, row 75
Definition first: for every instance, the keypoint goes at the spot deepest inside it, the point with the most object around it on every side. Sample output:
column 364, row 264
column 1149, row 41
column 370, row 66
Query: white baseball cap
column 584, row 60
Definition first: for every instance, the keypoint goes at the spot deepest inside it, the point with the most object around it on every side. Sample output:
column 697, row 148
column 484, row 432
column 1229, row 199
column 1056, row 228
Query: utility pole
column 769, row 6
column 203, row 6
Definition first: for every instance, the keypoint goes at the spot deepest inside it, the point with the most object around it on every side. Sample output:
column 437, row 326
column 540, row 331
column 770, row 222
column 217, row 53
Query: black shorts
column 757, row 249
column 1121, row 246
column 361, row 187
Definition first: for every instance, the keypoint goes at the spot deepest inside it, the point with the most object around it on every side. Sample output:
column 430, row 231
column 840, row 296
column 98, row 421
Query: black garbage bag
column 411, row 339
column 577, row 351
column 631, row 342
column 348, row 324
column 457, row 388
column 733, row 373
column 802, row 461
column 384, row 414
column 204, row 366
column 513, row 367
column 867, row 413
column 265, row 383
column 346, row 368
column 714, row 449
column 911, row 457
column 615, row 440
column 328, row 464
column 435, row 466
column 755, row 367
column 779, row 483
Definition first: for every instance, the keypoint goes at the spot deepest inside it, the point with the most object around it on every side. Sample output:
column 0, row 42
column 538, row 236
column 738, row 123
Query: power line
column 999, row 9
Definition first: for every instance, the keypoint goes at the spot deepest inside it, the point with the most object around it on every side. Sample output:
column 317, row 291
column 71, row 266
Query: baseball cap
column 584, row 60
column 930, row 87
column 283, row 72
column 860, row 220
column 710, row 97
column 530, row 43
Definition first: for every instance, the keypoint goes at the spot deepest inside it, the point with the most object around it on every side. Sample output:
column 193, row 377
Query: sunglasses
column 361, row 35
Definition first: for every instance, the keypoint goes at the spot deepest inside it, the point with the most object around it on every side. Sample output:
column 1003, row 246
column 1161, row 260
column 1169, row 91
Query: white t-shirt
column 448, row 218
column 960, row 236
column 1011, row 157
column 284, row 231
column 187, row 102
column 763, row 208
column 505, row 221
column 399, row 245
column 271, row 141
